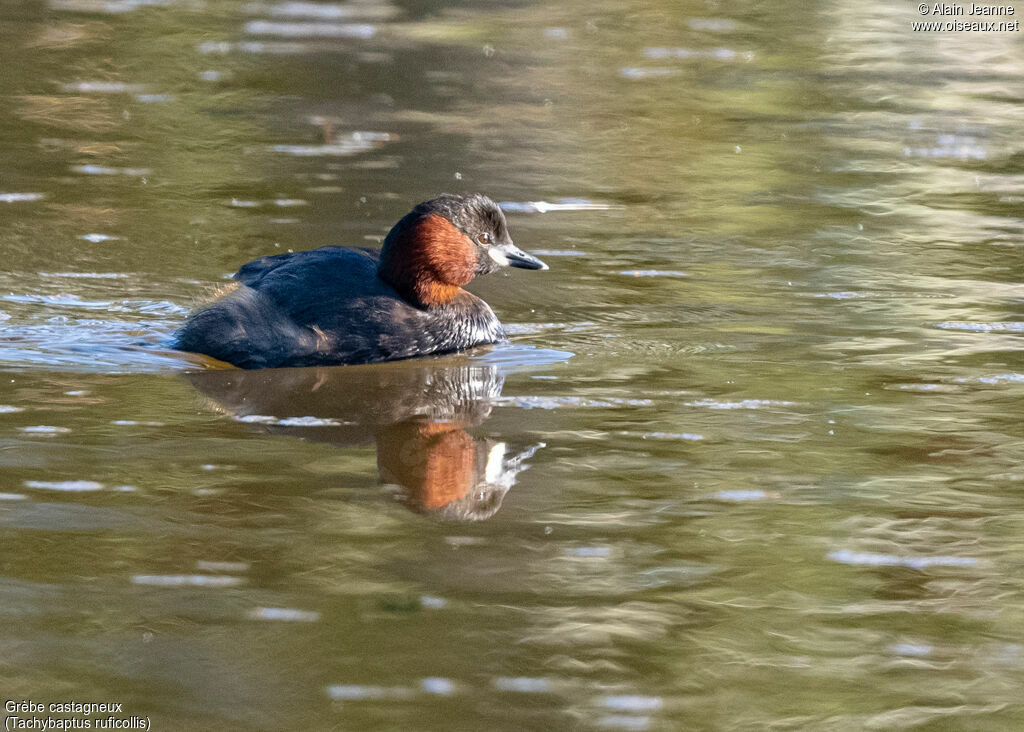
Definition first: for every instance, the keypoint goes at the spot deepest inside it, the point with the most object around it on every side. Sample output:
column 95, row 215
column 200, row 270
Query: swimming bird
column 341, row 305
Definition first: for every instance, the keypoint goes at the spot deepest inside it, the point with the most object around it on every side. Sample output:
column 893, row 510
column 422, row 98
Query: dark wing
column 335, row 293
column 322, row 284
column 327, row 306
column 284, row 304
column 254, row 272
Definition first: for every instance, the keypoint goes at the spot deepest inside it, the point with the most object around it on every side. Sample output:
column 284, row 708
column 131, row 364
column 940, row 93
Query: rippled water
column 752, row 460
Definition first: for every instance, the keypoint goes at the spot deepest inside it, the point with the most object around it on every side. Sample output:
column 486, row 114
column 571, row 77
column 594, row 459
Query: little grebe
column 338, row 305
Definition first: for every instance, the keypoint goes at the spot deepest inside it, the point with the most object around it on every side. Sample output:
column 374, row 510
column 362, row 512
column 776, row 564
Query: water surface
column 751, row 461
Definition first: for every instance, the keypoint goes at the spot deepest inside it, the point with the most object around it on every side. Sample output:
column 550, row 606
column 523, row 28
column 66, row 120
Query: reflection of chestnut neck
column 433, row 461
column 418, row 413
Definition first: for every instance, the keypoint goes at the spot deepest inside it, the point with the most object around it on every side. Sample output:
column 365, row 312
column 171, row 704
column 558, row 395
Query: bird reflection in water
column 418, row 414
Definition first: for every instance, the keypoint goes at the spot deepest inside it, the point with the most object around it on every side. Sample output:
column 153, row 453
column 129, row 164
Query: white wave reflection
column 45, row 429
column 356, row 142
column 291, row 421
column 1011, row 326
column 361, row 692
column 310, row 30
column 21, row 197
column 651, row 72
column 719, row 54
column 742, row 404
column 653, row 273
column 296, row 9
column 562, row 204
column 542, row 402
column 98, row 238
column 187, row 580
column 437, row 685
column 847, row 556
column 86, row 275
column 104, row 170
column 522, row 684
column 103, row 87
column 285, row 614
column 112, row 7
column 67, row 486
column 632, row 703
column 1011, row 378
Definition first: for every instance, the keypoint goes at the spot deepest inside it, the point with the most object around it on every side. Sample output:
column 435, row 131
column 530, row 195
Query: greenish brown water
column 753, row 459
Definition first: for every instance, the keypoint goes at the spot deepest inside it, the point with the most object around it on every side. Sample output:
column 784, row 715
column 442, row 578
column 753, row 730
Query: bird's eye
column 484, row 238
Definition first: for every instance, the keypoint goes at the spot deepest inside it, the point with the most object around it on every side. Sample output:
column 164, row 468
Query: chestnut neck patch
column 428, row 260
